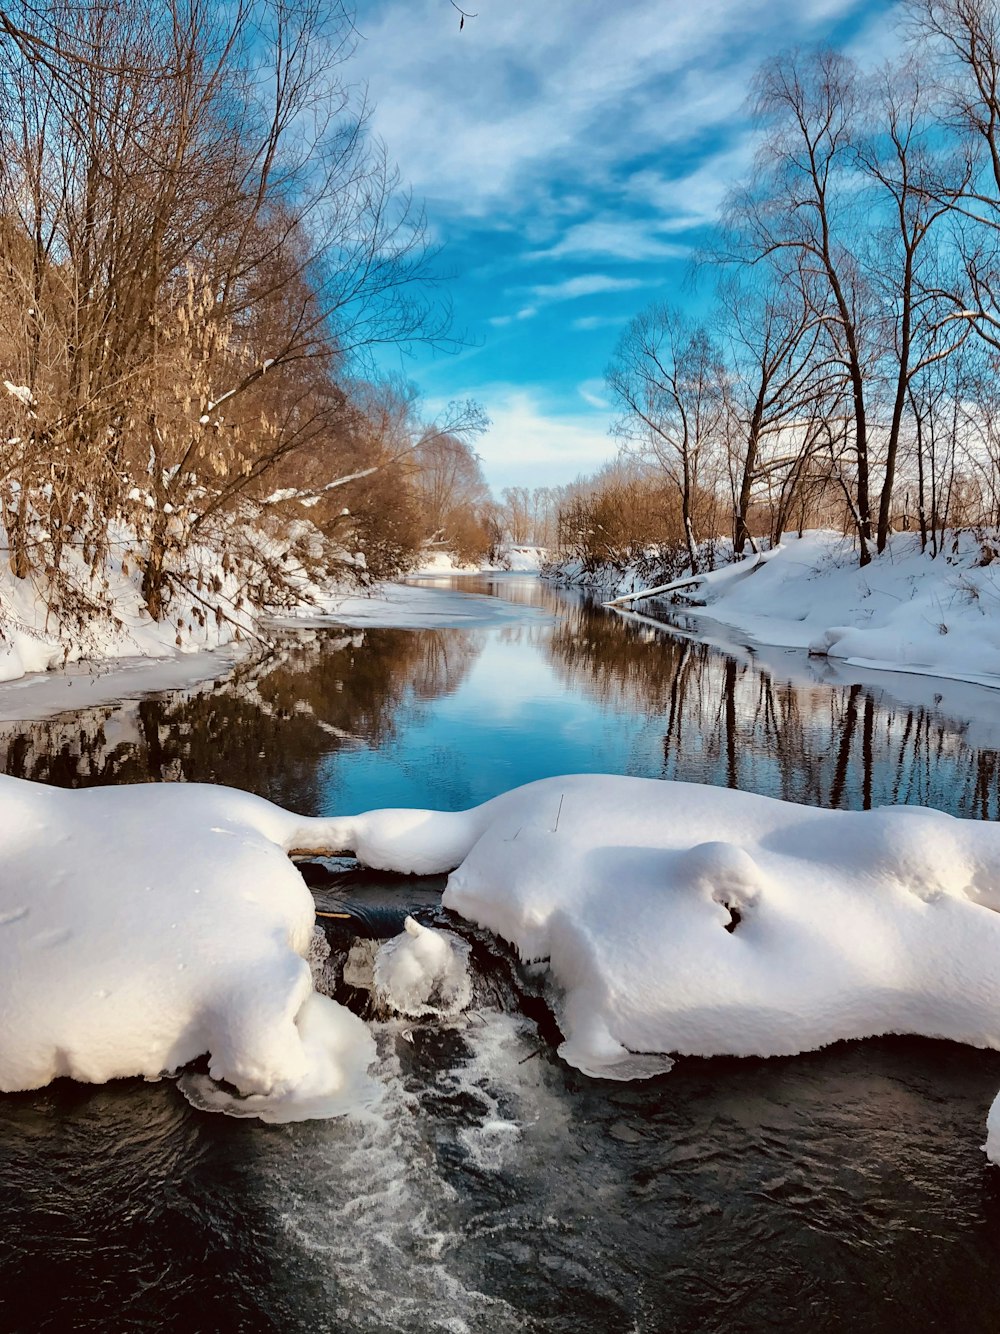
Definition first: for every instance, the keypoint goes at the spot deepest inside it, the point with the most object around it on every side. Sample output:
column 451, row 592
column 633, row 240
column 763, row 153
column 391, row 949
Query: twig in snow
column 555, row 827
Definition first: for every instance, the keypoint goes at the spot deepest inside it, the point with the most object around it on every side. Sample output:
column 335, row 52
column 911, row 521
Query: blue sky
column 571, row 155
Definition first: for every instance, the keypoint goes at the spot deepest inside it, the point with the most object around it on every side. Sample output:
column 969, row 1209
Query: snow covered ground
column 903, row 612
column 33, row 640
column 217, row 613
column 141, row 927
column 217, row 601
column 521, row 559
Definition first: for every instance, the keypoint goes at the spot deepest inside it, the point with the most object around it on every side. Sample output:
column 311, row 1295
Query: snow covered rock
column 423, row 971
column 141, row 927
column 675, row 918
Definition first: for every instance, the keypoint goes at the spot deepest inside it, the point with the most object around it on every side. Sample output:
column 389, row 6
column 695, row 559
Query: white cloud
column 592, row 392
column 619, row 238
column 584, row 284
column 485, row 116
column 570, row 289
column 536, row 440
column 692, row 199
column 525, row 313
column 882, row 38
column 588, row 322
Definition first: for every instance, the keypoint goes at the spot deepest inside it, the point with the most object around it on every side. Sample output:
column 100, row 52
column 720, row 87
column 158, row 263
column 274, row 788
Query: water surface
column 495, row 1188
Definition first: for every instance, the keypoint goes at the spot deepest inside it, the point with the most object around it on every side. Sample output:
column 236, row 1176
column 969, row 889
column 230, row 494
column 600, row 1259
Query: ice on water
column 423, row 971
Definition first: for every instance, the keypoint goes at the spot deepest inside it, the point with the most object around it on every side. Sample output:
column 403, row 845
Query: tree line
column 847, row 373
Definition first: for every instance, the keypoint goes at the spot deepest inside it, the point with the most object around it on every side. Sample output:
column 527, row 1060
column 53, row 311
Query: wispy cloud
column 616, row 238
column 569, row 289
column 587, row 323
column 583, row 284
column 684, row 200
column 525, row 313
column 593, row 392
column 572, row 154
column 527, row 94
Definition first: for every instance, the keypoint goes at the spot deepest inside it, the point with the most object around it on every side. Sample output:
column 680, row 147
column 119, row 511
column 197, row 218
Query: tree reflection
column 265, row 728
column 728, row 721
column 689, row 710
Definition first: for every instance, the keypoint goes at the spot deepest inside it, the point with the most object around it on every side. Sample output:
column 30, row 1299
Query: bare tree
column 811, row 108
column 667, row 377
column 778, row 380
column 899, row 157
column 210, row 243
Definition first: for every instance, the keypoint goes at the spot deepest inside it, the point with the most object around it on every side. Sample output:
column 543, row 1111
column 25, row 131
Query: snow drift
column 142, row 927
column 674, row 918
column 903, row 612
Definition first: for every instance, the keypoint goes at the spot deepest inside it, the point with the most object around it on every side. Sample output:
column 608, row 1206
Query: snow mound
column 674, row 918
column 423, row 971
column 338, row 1050
column 903, row 612
column 524, row 559
column 142, row 927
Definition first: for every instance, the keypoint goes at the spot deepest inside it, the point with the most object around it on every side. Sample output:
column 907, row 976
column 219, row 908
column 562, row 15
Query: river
column 494, row 1188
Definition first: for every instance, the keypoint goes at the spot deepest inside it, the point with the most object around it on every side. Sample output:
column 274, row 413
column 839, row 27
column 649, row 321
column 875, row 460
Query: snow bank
column 902, row 612
column 118, row 625
column 444, row 562
column 141, row 927
column 523, row 559
column 674, row 918
column 84, row 684
column 248, row 568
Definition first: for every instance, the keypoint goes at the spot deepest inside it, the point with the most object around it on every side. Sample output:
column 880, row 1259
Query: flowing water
column 494, row 1188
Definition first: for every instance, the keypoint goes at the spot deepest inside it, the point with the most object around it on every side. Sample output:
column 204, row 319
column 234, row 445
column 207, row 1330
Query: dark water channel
column 494, row 1188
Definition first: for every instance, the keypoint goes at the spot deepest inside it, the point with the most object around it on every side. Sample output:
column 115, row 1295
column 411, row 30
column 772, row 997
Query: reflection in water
column 335, row 721
column 266, row 727
column 496, row 1189
column 729, row 721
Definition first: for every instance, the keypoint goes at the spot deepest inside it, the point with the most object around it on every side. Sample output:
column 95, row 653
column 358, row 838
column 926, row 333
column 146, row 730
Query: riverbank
column 904, row 612
column 222, row 592
column 222, row 603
